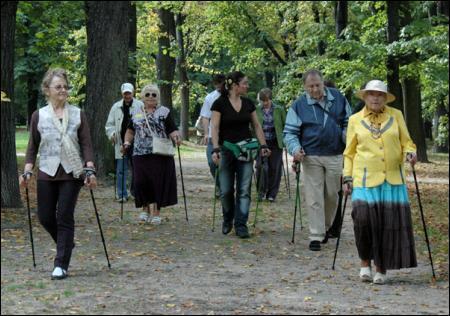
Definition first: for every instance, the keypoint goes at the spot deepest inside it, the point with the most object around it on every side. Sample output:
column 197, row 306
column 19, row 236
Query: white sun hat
column 376, row 85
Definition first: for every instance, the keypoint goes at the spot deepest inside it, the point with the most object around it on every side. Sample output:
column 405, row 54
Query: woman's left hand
column 412, row 158
column 175, row 136
column 91, row 182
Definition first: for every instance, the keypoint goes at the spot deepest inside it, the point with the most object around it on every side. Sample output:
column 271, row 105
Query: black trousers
column 56, row 205
column 271, row 177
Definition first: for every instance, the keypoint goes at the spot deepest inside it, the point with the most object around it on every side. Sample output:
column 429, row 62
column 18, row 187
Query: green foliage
column 252, row 36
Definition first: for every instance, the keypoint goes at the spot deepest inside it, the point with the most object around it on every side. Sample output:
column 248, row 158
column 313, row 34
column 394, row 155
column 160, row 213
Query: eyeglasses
column 59, row 88
column 151, row 94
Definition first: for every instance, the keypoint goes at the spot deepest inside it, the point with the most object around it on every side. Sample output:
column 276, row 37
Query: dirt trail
column 184, row 268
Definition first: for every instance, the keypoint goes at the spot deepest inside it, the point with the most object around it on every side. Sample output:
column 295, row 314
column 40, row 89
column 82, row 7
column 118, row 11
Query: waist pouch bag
column 245, row 150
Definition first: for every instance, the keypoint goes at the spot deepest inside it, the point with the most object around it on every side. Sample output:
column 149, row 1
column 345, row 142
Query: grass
column 187, row 150
column 21, row 140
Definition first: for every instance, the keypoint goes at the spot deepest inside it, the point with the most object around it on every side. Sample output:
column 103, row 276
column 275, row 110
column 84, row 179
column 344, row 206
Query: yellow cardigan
column 371, row 161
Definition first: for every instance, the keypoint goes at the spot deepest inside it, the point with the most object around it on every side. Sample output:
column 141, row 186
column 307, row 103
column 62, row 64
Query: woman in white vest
column 60, row 132
column 154, row 174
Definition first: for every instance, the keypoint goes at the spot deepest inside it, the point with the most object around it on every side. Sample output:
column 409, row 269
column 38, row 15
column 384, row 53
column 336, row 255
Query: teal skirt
column 383, row 226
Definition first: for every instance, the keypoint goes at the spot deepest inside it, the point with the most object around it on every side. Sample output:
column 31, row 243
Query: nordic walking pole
column 29, row 219
column 115, row 179
column 100, row 227
column 182, row 184
column 287, row 173
column 297, row 197
column 215, row 197
column 423, row 221
column 258, row 189
column 340, row 231
column 123, row 185
column 284, row 175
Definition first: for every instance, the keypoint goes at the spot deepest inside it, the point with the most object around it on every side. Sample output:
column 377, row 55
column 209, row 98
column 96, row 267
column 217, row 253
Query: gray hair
column 48, row 77
column 264, row 94
column 312, row 72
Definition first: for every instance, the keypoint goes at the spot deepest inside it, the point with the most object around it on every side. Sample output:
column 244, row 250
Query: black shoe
column 314, row 245
column 242, row 232
column 226, row 227
column 325, row 240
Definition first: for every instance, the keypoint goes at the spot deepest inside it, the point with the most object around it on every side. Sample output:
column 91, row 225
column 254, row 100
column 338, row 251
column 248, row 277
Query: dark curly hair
column 233, row 77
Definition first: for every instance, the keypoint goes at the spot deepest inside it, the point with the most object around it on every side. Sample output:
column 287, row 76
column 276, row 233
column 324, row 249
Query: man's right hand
column 299, row 155
column 113, row 139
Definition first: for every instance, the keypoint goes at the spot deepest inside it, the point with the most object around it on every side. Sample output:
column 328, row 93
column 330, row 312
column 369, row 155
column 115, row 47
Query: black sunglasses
column 152, row 94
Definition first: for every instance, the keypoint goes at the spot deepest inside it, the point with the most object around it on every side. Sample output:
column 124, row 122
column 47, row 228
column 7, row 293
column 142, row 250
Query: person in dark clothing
column 60, row 133
column 231, row 115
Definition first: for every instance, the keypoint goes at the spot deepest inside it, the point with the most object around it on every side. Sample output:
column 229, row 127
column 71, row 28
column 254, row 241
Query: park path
column 184, row 268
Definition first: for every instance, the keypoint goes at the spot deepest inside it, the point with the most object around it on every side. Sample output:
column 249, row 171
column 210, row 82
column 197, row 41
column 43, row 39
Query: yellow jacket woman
column 377, row 144
column 372, row 157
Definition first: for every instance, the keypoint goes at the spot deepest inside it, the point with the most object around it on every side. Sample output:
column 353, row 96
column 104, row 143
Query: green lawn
column 21, row 140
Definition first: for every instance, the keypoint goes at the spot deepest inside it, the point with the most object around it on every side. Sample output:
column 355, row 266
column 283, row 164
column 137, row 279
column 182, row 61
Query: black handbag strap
column 328, row 113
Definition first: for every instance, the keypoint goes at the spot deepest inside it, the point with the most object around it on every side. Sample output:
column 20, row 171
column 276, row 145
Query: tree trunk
column 184, row 80
column 269, row 79
column 107, row 63
column 33, row 95
column 321, row 44
column 10, row 194
column 164, row 62
column 413, row 115
column 440, row 112
column 442, row 8
column 393, row 64
column 132, row 44
column 341, row 17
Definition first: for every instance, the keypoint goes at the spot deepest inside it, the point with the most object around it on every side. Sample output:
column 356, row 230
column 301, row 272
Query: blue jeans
column 236, row 208
column 212, row 165
column 121, row 170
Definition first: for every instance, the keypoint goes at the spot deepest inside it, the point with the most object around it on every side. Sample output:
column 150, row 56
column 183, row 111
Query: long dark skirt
column 155, row 180
column 383, row 226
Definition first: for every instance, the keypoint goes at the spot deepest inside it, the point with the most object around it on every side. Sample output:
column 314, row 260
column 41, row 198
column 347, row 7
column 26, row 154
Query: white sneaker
column 143, row 217
column 365, row 274
column 59, row 273
column 156, row 220
column 379, row 278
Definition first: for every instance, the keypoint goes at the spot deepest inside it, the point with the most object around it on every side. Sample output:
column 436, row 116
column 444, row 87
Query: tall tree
column 10, row 194
column 132, row 44
column 441, row 111
column 107, row 64
column 393, row 63
column 165, row 62
column 321, row 45
column 412, row 102
column 183, row 74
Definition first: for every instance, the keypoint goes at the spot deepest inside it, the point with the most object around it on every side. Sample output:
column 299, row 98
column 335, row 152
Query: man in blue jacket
column 314, row 135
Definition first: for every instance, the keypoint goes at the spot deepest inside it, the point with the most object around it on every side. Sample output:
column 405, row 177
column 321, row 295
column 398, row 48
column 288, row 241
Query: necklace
column 375, row 131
